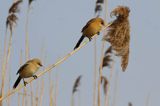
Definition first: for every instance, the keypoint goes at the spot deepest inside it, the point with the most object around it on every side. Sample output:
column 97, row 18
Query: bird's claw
column 25, row 83
column 34, row 76
column 90, row 39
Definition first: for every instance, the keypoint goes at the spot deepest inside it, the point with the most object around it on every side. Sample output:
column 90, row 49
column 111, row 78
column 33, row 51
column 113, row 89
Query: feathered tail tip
column 79, row 42
column 15, row 7
column 11, row 20
column 17, row 82
column 104, row 80
column 76, row 84
column 107, row 57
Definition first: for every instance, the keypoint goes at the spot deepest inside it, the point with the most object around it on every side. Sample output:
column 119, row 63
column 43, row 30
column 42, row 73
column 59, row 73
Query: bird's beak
column 41, row 65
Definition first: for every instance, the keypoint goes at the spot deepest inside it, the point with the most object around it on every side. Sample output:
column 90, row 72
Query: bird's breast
column 91, row 30
column 28, row 71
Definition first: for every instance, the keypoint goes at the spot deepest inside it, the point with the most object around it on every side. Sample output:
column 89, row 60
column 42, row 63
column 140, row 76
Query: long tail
column 17, row 82
column 79, row 42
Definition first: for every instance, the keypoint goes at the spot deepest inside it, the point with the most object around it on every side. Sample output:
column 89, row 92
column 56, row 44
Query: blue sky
column 55, row 26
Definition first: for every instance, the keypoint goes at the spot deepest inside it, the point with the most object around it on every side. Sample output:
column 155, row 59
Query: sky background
column 55, row 27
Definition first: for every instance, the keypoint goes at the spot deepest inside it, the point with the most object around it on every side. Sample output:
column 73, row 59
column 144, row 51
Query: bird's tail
column 79, row 42
column 17, row 82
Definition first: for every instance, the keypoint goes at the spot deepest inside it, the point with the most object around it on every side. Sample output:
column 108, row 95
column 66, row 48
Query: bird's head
column 103, row 23
column 37, row 62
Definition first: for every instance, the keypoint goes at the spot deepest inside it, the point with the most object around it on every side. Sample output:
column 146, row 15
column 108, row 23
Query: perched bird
column 28, row 70
column 92, row 27
column 119, row 34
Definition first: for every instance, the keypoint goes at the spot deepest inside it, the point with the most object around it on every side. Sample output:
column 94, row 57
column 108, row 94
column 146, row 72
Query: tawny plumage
column 92, row 27
column 28, row 70
column 119, row 34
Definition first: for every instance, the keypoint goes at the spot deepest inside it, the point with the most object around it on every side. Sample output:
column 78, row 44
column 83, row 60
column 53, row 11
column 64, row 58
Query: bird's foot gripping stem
column 34, row 76
column 90, row 39
column 25, row 83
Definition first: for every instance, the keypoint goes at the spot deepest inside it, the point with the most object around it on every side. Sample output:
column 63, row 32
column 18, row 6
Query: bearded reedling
column 28, row 70
column 92, row 27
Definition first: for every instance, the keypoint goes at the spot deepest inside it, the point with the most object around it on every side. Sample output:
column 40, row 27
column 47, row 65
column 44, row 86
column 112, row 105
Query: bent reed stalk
column 50, row 67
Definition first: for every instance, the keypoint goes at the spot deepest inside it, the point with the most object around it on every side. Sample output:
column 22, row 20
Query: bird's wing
column 22, row 67
column 88, row 23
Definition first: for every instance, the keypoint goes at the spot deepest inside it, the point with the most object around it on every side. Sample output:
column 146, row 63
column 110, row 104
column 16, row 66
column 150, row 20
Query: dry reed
column 15, row 7
column 30, row 2
column 105, row 82
column 107, row 58
column 27, row 50
column 98, row 8
column 95, row 73
column 76, row 84
column 56, row 90
column 1, row 97
column 10, row 21
column 50, row 67
column 98, row 11
column 41, row 93
column 119, row 34
column 100, row 75
column 130, row 104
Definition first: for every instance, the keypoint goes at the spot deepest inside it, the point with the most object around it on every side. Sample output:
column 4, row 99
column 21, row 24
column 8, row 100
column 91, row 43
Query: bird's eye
column 102, row 22
column 40, row 64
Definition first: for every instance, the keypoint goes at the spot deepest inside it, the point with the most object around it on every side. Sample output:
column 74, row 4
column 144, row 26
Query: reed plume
column 98, row 7
column 104, row 81
column 30, row 2
column 119, row 34
column 11, row 21
column 130, row 104
column 15, row 7
column 12, row 18
column 76, row 84
column 107, row 57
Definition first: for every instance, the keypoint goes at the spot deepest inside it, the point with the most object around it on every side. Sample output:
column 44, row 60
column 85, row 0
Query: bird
column 28, row 70
column 92, row 27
